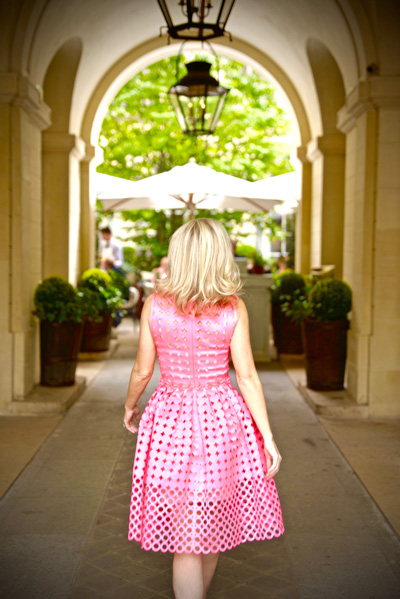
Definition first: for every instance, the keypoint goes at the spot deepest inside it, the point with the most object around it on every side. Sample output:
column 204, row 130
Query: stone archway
column 150, row 52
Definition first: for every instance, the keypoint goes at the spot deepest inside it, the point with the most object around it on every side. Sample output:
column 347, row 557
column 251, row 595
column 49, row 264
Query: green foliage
column 323, row 300
column 151, row 231
column 140, row 137
column 288, row 285
column 56, row 300
column 140, row 134
column 120, row 282
column 94, row 278
column 258, row 259
column 98, row 295
column 330, row 299
column 247, row 251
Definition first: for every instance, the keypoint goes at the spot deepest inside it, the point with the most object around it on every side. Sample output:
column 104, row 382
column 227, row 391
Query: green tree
column 140, row 134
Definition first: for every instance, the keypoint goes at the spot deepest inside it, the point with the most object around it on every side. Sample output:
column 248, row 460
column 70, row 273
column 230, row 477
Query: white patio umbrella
column 189, row 186
column 286, row 187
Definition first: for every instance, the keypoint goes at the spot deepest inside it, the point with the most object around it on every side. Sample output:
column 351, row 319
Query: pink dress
column 198, row 481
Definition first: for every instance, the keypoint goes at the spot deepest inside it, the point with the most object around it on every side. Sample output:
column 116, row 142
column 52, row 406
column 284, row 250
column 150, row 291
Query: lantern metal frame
column 196, row 12
column 199, row 84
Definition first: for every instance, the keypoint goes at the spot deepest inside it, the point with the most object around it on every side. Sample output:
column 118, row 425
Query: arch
column 155, row 49
column 58, row 85
column 61, row 155
column 358, row 22
column 328, row 82
column 328, row 161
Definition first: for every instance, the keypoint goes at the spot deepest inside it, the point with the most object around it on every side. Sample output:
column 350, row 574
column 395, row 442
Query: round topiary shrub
column 56, row 300
column 287, row 285
column 330, row 300
column 94, row 279
column 98, row 295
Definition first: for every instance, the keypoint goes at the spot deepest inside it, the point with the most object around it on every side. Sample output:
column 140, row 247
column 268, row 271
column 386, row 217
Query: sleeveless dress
column 198, row 483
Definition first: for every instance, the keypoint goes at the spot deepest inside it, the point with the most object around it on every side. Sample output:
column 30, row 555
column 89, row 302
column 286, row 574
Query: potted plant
column 58, row 308
column 258, row 263
column 254, row 258
column 100, row 300
column 323, row 315
column 288, row 286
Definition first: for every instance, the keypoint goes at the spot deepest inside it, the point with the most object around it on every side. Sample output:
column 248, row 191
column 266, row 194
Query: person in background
column 160, row 272
column 281, row 264
column 111, row 249
column 108, row 264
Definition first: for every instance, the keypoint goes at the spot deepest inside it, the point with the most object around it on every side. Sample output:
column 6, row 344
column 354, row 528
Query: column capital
column 371, row 94
column 331, row 144
column 20, row 91
column 90, row 152
column 302, row 154
column 63, row 143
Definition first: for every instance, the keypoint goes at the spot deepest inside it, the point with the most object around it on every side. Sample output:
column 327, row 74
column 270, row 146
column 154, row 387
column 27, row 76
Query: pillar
column 303, row 217
column 23, row 115
column 327, row 155
column 62, row 153
column 371, row 121
column 88, row 208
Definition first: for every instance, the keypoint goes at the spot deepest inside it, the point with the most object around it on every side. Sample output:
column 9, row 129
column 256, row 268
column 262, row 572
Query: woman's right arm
column 142, row 369
column 250, row 386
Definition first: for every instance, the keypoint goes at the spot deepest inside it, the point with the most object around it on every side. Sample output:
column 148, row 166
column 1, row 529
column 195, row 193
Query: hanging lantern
column 198, row 99
column 203, row 20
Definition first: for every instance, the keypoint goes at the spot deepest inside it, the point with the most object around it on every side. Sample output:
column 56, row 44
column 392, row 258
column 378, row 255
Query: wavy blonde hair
column 202, row 270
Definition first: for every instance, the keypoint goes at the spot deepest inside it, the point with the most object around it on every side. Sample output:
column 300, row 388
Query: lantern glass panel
column 197, row 114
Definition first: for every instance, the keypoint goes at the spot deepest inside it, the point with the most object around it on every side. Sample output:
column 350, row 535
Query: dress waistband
column 168, row 382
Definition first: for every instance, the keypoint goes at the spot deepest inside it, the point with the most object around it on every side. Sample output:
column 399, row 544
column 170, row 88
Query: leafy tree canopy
column 140, row 134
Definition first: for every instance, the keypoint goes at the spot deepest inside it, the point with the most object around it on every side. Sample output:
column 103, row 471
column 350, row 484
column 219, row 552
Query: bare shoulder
column 147, row 306
column 240, row 307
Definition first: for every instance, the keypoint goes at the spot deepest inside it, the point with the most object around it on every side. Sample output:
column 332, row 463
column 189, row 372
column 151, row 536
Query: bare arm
column 142, row 369
column 251, row 388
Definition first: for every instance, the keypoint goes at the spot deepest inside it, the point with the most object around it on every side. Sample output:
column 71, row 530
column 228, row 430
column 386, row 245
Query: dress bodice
column 192, row 350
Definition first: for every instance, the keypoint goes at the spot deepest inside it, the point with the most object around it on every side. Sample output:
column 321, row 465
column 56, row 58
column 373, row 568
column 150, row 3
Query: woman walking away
column 205, row 458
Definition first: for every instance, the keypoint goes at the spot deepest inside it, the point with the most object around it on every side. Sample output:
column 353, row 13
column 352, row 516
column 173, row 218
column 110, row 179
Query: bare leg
column 187, row 576
column 210, row 561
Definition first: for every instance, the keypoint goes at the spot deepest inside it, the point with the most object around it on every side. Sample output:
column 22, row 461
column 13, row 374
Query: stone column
column 62, row 153
column 327, row 155
column 23, row 115
column 88, row 207
column 303, row 217
column 371, row 121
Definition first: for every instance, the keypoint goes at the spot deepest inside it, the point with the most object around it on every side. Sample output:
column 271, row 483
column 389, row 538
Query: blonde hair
column 203, row 273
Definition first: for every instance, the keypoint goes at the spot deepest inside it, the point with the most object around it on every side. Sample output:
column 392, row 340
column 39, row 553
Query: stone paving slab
column 64, row 522
column 20, row 439
column 373, row 450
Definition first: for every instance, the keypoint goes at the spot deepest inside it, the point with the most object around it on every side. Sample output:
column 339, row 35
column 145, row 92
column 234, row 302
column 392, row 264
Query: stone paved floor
column 64, row 522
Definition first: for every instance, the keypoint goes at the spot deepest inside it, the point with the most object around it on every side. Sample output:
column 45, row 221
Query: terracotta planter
column 325, row 346
column 96, row 335
column 59, row 348
column 287, row 334
column 257, row 269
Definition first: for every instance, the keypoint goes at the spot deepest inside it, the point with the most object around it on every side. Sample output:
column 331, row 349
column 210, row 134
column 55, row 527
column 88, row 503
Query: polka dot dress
column 199, row 476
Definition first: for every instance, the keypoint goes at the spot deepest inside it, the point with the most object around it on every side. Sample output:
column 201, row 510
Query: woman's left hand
column 131, row 414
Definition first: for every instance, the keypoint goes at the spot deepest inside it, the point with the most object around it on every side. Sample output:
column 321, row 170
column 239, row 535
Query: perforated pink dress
column 199, row 481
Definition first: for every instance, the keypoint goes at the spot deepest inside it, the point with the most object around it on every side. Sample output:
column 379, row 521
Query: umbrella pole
column 191, row 206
